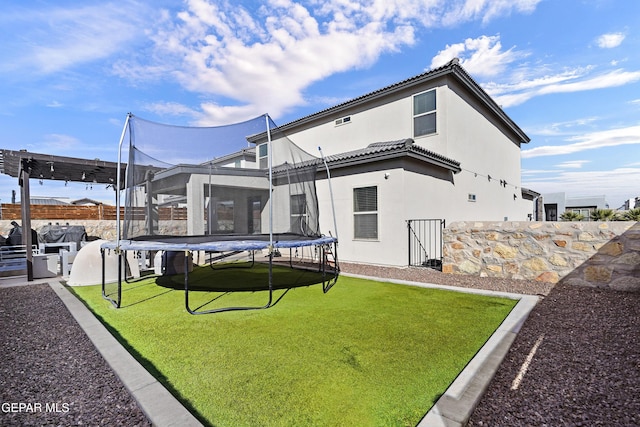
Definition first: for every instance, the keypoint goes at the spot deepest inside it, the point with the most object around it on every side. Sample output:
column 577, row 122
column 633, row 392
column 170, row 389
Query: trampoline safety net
column 238, row 180
column 221, row 191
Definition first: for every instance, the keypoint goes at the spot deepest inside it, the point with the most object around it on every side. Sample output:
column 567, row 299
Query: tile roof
column 382, row 151
column 453, row 68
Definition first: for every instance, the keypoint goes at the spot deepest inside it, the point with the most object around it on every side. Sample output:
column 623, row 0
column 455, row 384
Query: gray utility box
column 45, row 265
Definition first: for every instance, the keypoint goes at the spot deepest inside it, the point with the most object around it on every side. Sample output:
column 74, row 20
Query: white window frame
column 299, row 217
column 357, row 213
column 264, row 157
column 585, row 212
column 433, row 112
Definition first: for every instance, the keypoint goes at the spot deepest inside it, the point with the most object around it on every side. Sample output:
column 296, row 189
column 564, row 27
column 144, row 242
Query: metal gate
column 425, row 242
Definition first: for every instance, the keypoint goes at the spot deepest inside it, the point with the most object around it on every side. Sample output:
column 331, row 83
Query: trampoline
column 220, row 191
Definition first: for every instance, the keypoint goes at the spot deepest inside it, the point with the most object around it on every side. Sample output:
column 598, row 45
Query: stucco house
column 555, row 204
column 434, row 146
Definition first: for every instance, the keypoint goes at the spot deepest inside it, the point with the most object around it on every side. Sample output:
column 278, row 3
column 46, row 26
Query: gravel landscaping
column 580, row 347
column 585, row 371
column 50, row 372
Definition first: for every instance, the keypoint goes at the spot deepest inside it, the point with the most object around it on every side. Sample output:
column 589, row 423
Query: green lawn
column 366, row 353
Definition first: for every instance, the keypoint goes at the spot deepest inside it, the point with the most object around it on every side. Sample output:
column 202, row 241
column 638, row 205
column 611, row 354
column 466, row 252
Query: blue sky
column 567, row 72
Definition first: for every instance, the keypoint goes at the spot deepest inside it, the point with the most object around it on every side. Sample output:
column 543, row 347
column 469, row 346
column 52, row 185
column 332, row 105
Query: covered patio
column 24, row 165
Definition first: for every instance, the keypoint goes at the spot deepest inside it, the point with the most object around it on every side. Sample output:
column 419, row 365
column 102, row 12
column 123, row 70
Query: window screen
column 424, row 113
column 365, row 210
column 263, row 156
column 298, row 213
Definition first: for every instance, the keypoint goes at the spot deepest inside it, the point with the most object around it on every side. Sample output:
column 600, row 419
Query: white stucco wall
column 392, row 229
column 463, row 134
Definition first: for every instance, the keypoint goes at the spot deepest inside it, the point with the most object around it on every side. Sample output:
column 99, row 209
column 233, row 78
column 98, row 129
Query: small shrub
column 571, row 216
column 632, row 215
column 602, row 215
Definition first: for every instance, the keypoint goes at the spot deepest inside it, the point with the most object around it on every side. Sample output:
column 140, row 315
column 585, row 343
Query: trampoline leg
column 223, row 309
column 104, row 295
column 116, row 303
column 290, row 258
column 120, row 255
column 186, row 283
column 270, row 280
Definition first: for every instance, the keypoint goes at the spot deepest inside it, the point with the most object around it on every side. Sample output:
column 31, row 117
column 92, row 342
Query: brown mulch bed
column 585, row 372
column 49, row 365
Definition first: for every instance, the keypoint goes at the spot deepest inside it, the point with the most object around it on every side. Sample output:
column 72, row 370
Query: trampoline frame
column 328, row 247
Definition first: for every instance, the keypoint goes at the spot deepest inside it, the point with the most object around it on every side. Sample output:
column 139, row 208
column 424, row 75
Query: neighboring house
column 86, row 202
column 555, row 204
column 628, row 204
column 435, row 146
column 37, row 200
column 242, row 159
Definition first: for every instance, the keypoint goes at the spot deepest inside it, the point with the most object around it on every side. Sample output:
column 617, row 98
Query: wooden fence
column 9, row 211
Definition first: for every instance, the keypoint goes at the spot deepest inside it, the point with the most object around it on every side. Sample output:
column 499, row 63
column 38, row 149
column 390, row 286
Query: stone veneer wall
column 601, row 254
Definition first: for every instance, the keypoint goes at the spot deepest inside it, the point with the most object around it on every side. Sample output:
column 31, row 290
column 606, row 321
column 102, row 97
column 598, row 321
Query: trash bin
column 45, row 265
column 173, row 263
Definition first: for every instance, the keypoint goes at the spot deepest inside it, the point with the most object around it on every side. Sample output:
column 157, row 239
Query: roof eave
column 451, row 68
column 443, row 163
column 393, row 154
column 372, row 96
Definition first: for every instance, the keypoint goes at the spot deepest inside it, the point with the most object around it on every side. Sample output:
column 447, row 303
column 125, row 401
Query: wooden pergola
column 25, row 165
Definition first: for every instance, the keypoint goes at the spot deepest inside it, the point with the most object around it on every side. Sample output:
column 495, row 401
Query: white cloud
column 65, row 37
column 534, row 172
column 243, row 59
column 59, row 142
column 482, row 56
column 589, row 141
column 610, row 40
column 486, row 10
column 567, row 128
column 248, row 62
column 617, row 185
column 172, row 109
column 265, row 63
column 512, row 94
column 573, row 164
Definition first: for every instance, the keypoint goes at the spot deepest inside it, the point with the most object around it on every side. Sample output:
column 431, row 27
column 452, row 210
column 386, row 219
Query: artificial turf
column 366, row 353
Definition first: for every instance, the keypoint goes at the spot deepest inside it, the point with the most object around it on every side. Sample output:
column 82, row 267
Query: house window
column 298, row 213
column 365, row 213
column 224, row 216
column 585, row 212
column 424, row 113
column 254, row 205
column 263, row 156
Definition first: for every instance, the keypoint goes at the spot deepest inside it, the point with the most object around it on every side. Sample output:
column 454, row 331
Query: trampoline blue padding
column 215, row 243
